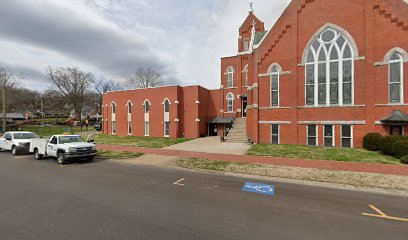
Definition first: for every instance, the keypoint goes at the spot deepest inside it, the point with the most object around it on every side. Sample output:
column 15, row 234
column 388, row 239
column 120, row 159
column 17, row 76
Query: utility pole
column 3, row 93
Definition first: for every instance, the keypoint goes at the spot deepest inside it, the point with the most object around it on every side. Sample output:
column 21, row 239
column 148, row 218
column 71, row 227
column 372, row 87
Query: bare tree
column 102, row 86
column 73, row 84
column 145, row 78
column 8, row 80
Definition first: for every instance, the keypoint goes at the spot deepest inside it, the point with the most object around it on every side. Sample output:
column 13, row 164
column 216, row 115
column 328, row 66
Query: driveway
column 211, row 145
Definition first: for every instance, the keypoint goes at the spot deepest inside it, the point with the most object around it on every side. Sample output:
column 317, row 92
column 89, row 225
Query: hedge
column 404, row 159
column 400, row 148
column 386, row 144
column 371, row 141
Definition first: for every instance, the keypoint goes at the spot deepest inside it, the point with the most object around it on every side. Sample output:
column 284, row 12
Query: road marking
column 259, row 188
column 178, row 182
column 381, row 214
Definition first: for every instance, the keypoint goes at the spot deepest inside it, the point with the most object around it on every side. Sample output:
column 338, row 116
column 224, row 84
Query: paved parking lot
column 107, row 200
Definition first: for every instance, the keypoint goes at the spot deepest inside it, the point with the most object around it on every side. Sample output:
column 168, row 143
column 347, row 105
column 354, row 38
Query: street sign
column 259, row 188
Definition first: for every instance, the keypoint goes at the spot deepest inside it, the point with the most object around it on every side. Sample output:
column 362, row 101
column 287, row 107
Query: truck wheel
column 61, row 158
column 37, row 155
column 14, row 150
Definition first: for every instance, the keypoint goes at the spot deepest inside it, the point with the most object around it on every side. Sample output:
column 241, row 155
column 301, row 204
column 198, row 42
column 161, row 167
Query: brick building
column 326, row 73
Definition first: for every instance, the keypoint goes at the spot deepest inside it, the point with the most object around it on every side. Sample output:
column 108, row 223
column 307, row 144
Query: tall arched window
column 147, row 117
column 330, row 69
column 396, row 78
column 230, row 77
column 274, row 70
column 230, row 102
column 113, row 118
column 166, row 108
column 129, row 117
column 246, row 75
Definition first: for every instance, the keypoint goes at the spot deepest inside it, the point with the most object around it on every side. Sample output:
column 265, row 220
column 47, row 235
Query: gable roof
column 259, row 36
column 396, row 117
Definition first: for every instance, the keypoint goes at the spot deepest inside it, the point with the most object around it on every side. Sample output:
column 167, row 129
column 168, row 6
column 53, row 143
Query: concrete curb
column 337, row 186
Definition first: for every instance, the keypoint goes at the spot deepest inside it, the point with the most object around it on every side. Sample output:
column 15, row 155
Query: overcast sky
column 182, row 39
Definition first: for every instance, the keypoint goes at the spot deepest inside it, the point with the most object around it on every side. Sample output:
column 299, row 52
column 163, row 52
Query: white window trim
column 130, row 128
column 147, row 130
column 401, row 62
column 317, row 135
column 164, row 128
column 114, row 128
column 116, row 106
column 353, row 48
column 246, row 75
column 279, row 134
column 230, row 71
column 351, row 137
column 333, row 136
column 230, row 96
column 270, row 90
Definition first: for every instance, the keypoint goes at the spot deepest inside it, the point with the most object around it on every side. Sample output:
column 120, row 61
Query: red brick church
column 327, row 73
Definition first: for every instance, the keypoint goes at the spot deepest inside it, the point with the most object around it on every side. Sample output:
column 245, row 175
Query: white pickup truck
column 64, row 147
column 17, row 142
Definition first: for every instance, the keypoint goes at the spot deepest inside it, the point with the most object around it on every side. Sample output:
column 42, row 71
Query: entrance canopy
column 222, row 120
column 396, row 118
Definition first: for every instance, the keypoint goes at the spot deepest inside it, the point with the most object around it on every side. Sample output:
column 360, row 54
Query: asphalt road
column 110, row 200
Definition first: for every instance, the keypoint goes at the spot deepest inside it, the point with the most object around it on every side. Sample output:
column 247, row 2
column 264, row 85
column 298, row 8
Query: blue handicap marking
column 259, row 188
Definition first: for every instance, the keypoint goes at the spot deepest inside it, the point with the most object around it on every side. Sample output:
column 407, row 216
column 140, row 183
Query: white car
column 17, row 142
column 64, row 147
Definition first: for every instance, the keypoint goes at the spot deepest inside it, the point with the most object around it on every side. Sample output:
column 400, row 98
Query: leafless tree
column 72, row 83
column 145, row 78
column 8, row 81
column 102, row 86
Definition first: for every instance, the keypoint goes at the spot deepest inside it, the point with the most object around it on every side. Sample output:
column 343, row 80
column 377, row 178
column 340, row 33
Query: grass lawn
column 147, row 142
column 321, row 153
column 52, row 130
column 117, row 155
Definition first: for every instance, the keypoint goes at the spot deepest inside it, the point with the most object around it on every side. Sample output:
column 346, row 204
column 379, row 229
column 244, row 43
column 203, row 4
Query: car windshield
column 70, row 139
column 25, row 135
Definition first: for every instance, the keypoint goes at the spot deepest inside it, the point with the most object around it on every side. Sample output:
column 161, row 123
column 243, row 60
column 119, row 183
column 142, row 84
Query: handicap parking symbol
column 259, row 188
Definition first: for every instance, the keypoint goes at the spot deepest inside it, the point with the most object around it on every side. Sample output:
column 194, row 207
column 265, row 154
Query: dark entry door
column 213, row 130
column 396, row 130
column 244, row 106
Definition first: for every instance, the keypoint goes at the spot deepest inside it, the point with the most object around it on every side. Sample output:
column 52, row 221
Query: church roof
column 259, row 36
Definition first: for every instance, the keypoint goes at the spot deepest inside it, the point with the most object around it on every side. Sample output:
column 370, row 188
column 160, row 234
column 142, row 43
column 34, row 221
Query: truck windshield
column 25, row 135
column 70, row 139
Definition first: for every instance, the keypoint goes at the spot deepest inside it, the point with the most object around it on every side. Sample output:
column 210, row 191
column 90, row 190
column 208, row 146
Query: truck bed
column 40, row 144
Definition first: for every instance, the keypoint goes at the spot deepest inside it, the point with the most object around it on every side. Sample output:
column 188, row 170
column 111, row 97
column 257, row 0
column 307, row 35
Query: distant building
column 326, row 74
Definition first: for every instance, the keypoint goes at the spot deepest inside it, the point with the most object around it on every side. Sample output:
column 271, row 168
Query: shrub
column 371, row 141
column 386, row 144
column 404, row 159
column 400, row 148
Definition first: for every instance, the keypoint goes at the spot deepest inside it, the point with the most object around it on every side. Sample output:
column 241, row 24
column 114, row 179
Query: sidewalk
column 291, row 162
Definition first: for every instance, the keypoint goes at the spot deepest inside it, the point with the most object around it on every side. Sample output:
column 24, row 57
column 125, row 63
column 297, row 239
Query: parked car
column 64, row 147
column 17, row 142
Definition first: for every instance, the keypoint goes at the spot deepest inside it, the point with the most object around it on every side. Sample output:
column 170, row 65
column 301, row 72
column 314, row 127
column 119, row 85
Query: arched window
column 130, row 105
column 246, row 45
column 330, row 69
column 129, row 117
column 166, row 106
column 230, row 76
column 396, row 78
column 230, row 102
column 147, row 106
column 246, row 75
column 147, row 117
column 274, row 71
column 113, row 108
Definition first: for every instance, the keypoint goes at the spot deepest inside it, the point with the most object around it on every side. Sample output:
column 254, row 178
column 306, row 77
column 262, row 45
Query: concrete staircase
column 238, row 132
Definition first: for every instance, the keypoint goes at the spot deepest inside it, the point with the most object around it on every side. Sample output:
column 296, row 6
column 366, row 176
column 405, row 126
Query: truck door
column 52, row 147
column 6, row 141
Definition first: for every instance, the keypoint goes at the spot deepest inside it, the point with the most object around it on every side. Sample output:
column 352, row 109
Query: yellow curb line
column 383, row 215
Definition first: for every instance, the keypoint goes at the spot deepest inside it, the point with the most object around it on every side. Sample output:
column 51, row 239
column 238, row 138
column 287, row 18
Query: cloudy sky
column 182, row 39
